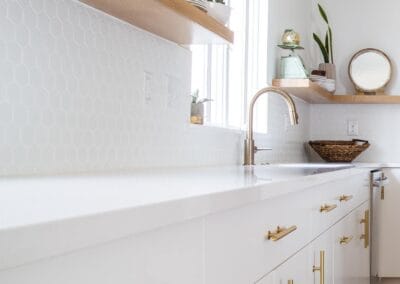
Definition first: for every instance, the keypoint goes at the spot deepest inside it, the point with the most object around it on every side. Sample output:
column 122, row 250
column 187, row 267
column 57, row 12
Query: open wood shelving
column 314, row 94
column 175, row 20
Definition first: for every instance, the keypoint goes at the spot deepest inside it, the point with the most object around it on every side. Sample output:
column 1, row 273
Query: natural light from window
column 230, row 75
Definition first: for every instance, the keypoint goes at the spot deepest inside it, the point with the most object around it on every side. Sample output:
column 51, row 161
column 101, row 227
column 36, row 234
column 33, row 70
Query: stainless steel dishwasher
column 378, row 182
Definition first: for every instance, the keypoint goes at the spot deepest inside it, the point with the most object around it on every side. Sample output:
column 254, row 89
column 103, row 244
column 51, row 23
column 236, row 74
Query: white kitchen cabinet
column 339, row 253
column 268, row 279
column 322, row 252
column 296, row 269
column 351, row 249
column 231, row 246
column 386, row 227
column 170, row 255
column 237, row 248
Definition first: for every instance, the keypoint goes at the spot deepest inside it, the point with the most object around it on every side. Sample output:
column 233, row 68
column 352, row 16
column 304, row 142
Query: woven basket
column 339, row 151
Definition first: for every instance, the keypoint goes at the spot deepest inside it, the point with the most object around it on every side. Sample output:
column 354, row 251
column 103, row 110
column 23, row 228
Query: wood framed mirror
column 370, row 70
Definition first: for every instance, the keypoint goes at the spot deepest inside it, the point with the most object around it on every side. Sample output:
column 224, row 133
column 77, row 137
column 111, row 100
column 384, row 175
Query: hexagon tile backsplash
column 73, row 99
column 82, row 91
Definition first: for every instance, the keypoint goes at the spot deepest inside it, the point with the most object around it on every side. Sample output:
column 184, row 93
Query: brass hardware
column 249, row 147
column 280, row 233
column 345, row 240
column 345, row 198
column 327, row 208
column 321, row 267
column 365, row 236
column 382, row 193
column 290, row 282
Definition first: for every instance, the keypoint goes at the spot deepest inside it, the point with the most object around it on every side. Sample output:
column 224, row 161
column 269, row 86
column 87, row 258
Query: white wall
column 287, row 141
column 359, row 24
column 378, row 124
column 72, row 97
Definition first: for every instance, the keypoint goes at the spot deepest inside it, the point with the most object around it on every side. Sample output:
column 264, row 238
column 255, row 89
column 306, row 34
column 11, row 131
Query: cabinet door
column 268, row 279
column 297, row 270
column 363, row 248
column 322, row 253
column 351, row 257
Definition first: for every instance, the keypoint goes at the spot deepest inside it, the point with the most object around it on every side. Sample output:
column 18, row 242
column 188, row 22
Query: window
column 230, row 75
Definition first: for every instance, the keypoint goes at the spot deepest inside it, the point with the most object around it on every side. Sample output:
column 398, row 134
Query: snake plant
column 326, row 47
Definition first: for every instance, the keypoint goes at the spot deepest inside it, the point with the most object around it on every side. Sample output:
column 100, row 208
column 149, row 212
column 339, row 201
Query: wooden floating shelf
column 314, row 94
column 175, row 20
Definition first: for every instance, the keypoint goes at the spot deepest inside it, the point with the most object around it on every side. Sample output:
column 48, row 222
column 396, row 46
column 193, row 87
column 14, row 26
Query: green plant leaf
column 322, row 47
column 327, row 48
column 323, row 14
column 330, row 43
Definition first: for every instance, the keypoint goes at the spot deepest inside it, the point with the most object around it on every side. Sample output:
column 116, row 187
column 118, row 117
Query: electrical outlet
column 352, row 128
column 173, row 89
column 148, row 88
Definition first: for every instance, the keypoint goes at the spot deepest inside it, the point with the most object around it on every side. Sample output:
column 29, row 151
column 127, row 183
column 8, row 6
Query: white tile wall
column 72, row 96
column 377, row 123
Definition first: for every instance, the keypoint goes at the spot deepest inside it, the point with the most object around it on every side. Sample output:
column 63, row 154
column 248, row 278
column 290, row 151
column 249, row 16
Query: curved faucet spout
column 250, row 148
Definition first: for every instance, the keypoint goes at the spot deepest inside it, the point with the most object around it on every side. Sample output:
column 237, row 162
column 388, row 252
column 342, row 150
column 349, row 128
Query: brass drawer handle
column 290, row 282
column 280, row 233
column 321, row 267
column 327, row 208
column 345, row 198
column 345, row 240
column 365, row 236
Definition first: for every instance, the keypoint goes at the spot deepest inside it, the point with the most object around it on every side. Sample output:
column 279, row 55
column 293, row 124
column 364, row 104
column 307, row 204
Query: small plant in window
column 197, row 108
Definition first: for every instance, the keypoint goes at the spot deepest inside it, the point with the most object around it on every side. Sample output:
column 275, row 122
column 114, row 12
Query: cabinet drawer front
column 351, row 257
column 345, row 195
column 237, row 246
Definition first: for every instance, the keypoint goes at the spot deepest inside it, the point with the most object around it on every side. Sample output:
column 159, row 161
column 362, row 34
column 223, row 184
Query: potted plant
column 219, row 10
column 326, row 47
column 197, row 108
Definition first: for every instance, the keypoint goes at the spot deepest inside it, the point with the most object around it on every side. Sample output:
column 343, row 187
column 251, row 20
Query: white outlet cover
column 148, row 87
column 352, row 128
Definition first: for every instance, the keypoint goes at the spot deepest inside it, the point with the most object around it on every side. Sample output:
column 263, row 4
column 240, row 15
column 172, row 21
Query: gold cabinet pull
column 345, row 240
column 327, row 208
column 280, row 233
column 345, row 198
column 365, row 236
column 290, row 282
column 321, row 267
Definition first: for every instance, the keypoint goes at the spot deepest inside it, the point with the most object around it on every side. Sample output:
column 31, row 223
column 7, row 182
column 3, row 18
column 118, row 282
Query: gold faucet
column 249, row 148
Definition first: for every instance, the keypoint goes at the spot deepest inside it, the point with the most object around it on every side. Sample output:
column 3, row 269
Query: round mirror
column 370, row 70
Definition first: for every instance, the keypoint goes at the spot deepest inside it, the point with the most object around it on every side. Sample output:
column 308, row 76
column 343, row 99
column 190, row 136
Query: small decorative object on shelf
column 326, row 47
column 370, row 70
column 200, row 4
column 339, row 151
column 197, row 108
column 219, row 11
column 292, row 66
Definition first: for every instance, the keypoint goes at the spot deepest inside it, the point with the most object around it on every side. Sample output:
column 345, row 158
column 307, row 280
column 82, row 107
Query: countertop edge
column 24, row 245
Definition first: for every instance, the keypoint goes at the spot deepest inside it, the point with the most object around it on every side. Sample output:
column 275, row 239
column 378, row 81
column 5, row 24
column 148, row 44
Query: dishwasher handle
column 379, row 182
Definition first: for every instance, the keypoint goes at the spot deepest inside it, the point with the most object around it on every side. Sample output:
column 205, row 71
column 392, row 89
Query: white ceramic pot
column 219, row 11
column 330, row 70
column 197, row 113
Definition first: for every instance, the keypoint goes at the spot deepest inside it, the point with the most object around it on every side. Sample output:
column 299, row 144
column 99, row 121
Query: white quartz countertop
column 377, row 165
column 46, row 216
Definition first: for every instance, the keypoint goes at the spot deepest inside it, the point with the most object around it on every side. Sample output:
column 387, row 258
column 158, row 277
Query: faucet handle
column 256, row 149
